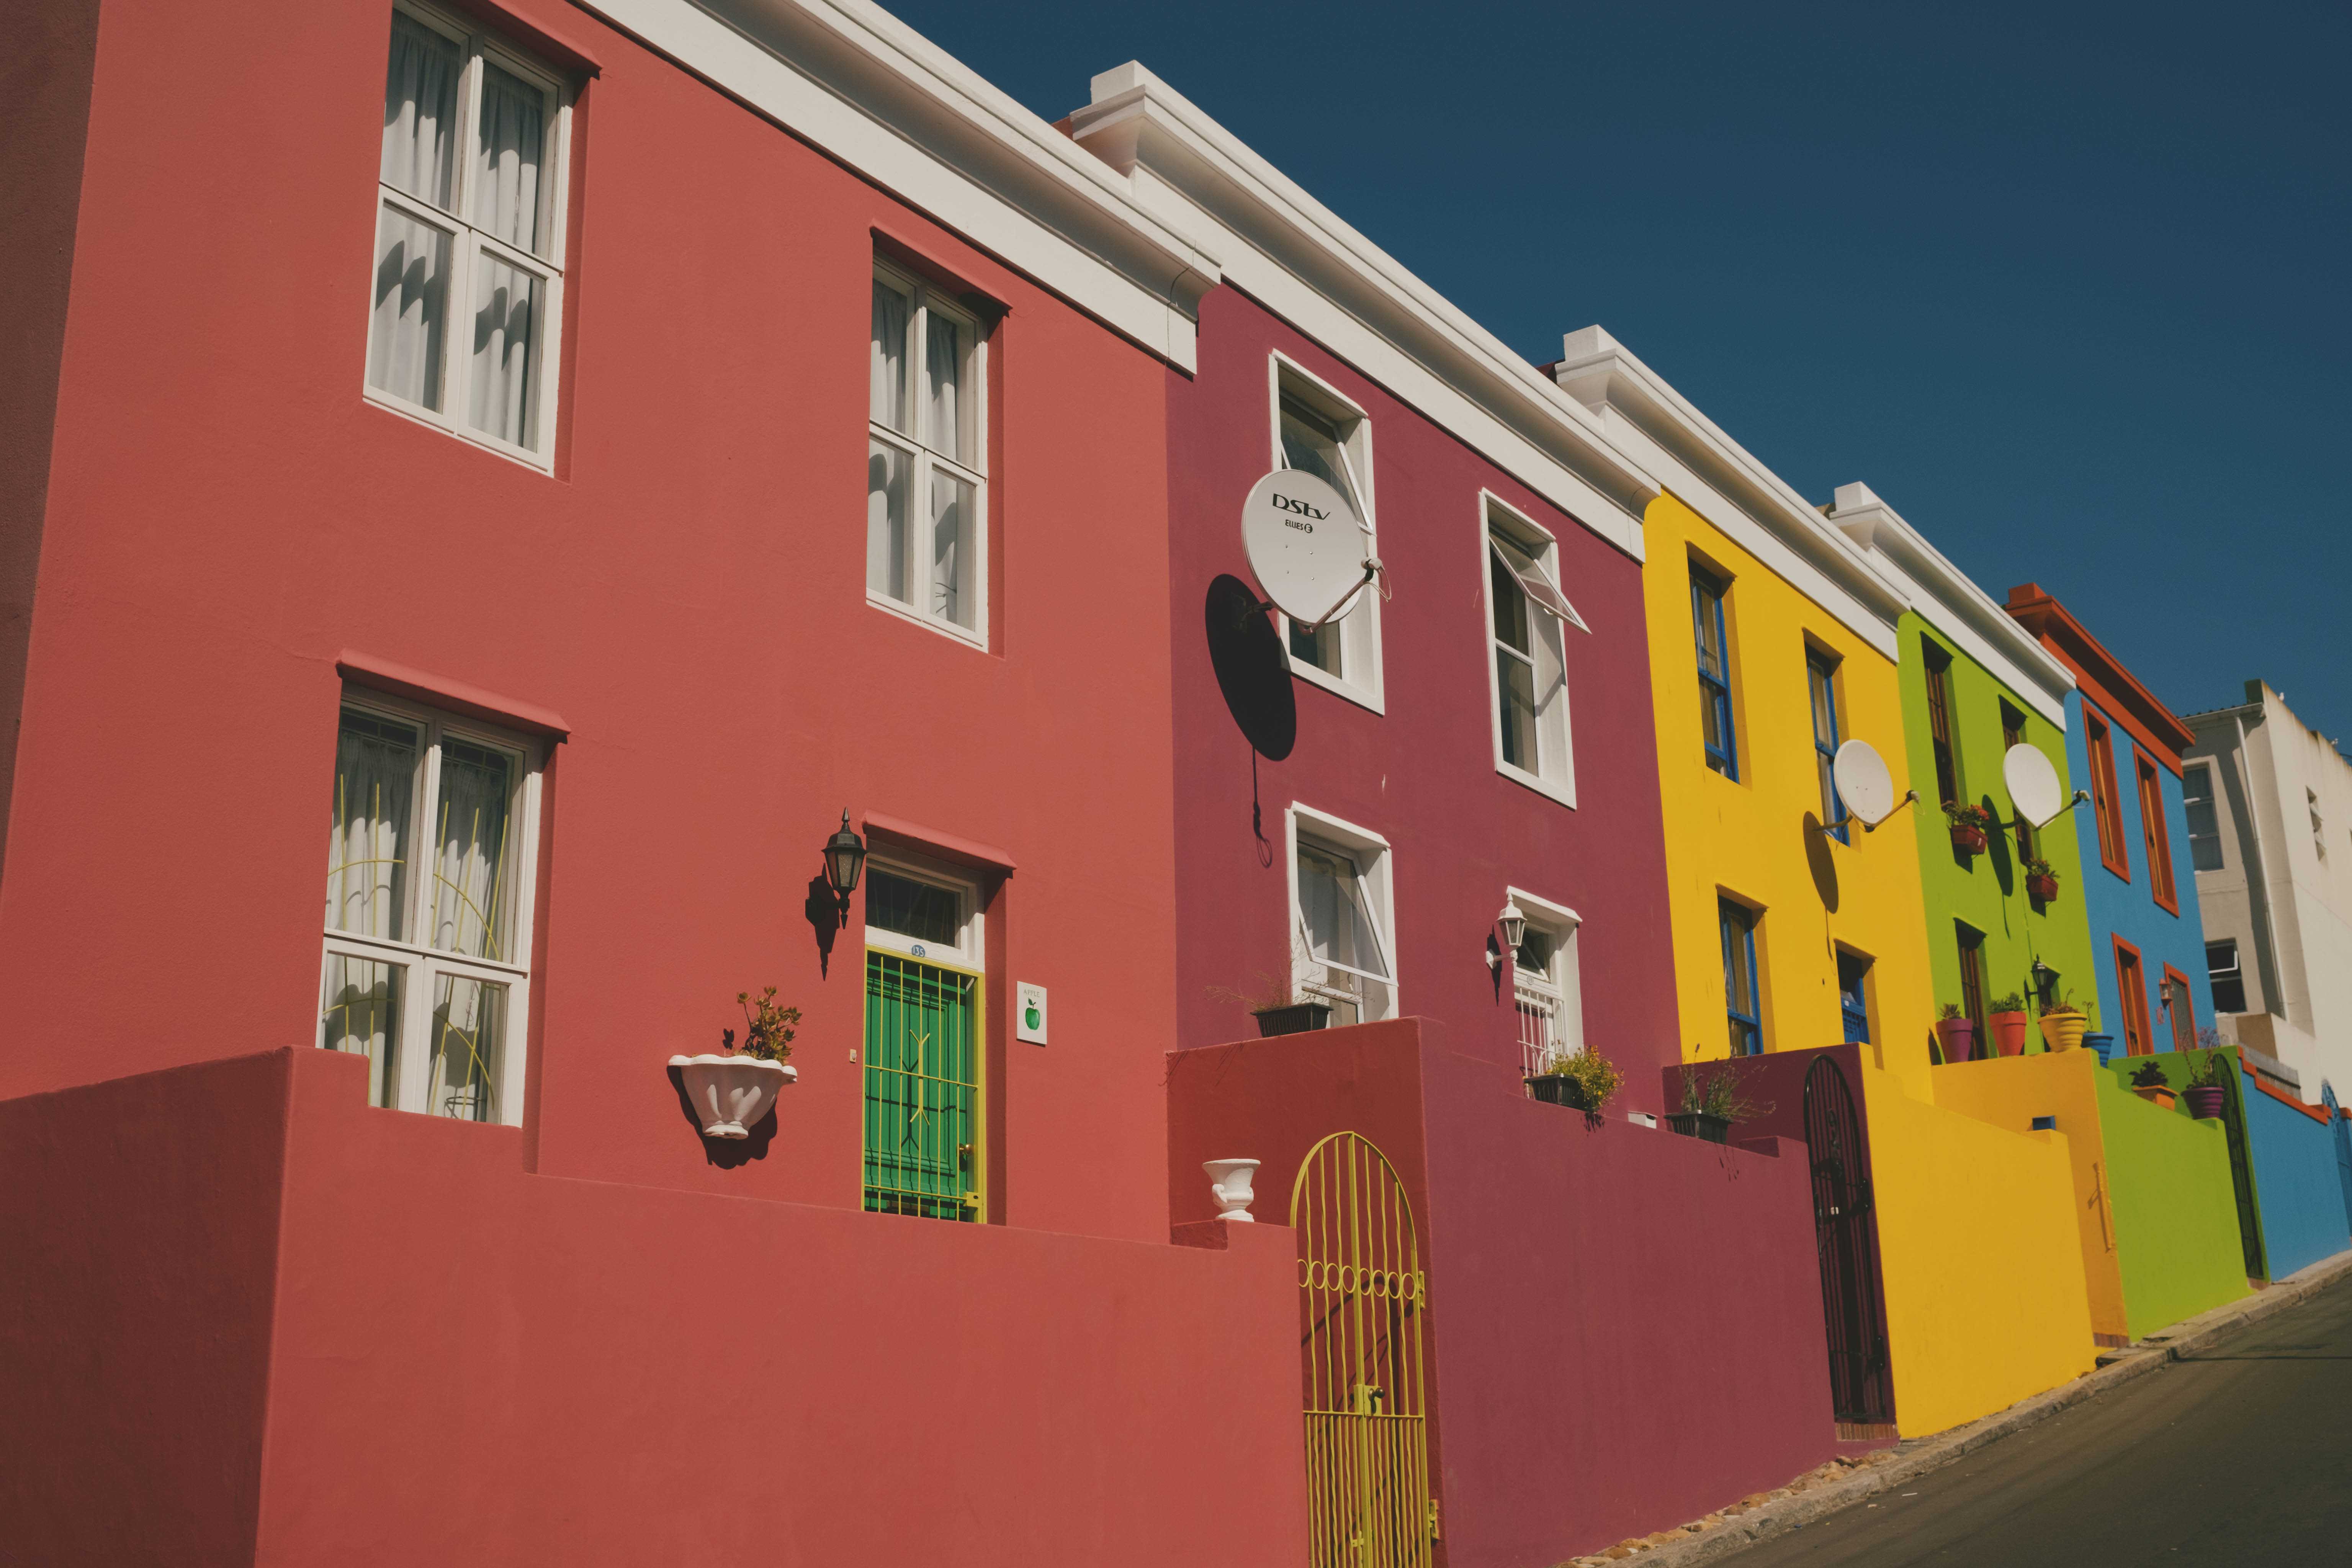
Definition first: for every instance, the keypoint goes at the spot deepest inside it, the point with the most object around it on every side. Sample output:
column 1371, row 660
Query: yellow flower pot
column 2064, row 1031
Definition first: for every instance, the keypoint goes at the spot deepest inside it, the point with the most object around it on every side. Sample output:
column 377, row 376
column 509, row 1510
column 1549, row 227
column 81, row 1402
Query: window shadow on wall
column 1821, row 861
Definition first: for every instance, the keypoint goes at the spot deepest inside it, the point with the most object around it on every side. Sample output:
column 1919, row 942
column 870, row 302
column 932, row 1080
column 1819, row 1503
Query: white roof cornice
column 861, row 86
column 1289, row 251
column 1723, row 483
column 1949, row 600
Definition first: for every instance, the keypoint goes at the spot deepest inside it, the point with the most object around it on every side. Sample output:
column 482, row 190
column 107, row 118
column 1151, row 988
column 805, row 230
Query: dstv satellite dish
column 2033, row 786
column 1306, row 546
column 1864, row 784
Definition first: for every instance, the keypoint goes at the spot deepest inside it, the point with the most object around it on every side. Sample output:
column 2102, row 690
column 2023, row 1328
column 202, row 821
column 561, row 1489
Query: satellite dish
column 1306, row 546
column 1864, row 784
column 2033, row 786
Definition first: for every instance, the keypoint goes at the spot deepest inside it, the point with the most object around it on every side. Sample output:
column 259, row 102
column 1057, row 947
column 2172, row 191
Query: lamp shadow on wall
column 822, row 911
column 1821, row 862
column 1252, row 672
column 726, row 1153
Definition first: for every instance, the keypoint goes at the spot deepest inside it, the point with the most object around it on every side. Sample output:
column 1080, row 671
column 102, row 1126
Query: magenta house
column 1430, row 832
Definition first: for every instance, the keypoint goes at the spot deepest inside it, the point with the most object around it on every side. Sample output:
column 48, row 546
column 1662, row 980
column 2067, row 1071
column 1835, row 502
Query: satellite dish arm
column 1374, row 574
column 1908, row 797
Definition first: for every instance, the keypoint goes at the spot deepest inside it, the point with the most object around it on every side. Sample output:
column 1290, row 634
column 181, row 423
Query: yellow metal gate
column 1363, row 1297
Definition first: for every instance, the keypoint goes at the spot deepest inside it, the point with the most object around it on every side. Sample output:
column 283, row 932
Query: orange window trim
column 2131, row 990
column 2112, row 853
column 2183, row 1010
column 2151, row 828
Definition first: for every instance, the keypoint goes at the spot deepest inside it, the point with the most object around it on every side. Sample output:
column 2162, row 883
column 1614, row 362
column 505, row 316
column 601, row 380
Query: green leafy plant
column 2149, row 1075
column 2035, row 865
column 2012, row 1003
column 1720, row 1093
column 1593, row 1077
column 1948, row 1012
column 768, row 1029
column 1963, row 815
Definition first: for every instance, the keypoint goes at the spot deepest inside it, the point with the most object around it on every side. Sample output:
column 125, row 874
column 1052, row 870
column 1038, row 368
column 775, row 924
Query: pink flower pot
column 1959, row 1039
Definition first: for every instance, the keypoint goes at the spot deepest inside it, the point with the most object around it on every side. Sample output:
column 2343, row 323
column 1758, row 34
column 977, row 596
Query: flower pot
column 2064, row 1031
column 2205, row 1100
column 2009, row 1033
column 2157, row 1095
column 1558, row 1089
column 1959, row 1039
column 2105, row 1044
column 2042, row 888
column 1965, row 837
column 731, row 1093
column 1294, row 1019
column 1699, row 1124
column 1229, row 1184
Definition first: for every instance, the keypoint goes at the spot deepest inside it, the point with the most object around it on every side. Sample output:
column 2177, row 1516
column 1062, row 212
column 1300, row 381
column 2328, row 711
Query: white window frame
column 1359, row 629
column 467, row 243
column 422, row 965
column 1373, row 858
column 1555, row 728
column 971, row 950
column 1559, row 988
column 924, row 300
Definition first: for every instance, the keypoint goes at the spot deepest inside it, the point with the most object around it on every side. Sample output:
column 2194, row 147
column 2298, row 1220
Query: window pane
column 923, row 910
column 470, row 1027
column 506, row 331
column 1515, row 684
column 887, row 469
column 1338, row 924
column 469, row 912
column 1319, row 647
column 1510, row 600
column 507, row 147
column 1311, row 442
column 420, row 112
column 359, row 1011
column 412, row 299
column 944, row 342
column 952, row 534
column 368, row 842
column 887, row 375
column 1824, row 706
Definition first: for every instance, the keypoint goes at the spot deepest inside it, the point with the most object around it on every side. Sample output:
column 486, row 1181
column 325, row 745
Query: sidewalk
column 1844, row 1483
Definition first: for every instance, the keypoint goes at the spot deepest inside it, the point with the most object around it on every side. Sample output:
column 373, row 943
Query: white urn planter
column 1229, row 1184
column 731, row 1093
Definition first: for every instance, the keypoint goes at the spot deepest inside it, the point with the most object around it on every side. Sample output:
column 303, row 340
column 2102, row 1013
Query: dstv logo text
column 1292, row 504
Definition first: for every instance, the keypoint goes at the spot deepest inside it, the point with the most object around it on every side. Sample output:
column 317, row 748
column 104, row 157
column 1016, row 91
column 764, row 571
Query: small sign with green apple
column 1029, row 1013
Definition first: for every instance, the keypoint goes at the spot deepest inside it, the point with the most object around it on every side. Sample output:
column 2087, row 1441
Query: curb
column 1780, row 1515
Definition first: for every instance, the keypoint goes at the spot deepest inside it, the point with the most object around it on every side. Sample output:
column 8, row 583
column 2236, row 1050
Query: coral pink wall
column 467, row 1362
column 226, row 515
column 1624, row 1326
column 1422, row 775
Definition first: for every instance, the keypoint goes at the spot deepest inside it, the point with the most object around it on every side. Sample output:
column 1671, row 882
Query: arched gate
column 1363, row 1296
column 1850, row 1308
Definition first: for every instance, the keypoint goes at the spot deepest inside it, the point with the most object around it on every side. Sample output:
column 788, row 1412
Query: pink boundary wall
column 1624, row 1325
column 333, row 1333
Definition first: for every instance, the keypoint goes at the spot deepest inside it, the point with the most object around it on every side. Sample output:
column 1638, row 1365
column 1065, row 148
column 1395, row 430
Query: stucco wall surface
column 1754, row 838
column 464, row 1362
column 1624, row 1326
column 2298, row 1182
column 2176, row 1217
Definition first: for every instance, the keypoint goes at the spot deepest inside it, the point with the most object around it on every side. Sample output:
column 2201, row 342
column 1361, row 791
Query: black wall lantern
column 2045, row 982
column 845, row 858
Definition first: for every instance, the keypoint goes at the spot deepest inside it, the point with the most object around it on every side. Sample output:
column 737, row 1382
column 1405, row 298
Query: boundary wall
column 256, row 1321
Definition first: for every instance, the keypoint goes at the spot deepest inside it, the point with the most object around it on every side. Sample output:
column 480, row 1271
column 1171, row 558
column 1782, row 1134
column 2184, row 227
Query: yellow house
column 1772, row 641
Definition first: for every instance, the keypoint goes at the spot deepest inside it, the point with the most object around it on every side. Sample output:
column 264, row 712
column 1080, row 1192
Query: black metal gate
column 2343, row 1146
column 2241, row 1177
column 1851, row 1304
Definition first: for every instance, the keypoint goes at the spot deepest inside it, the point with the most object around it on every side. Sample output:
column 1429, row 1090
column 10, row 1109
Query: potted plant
column 2149, row 1083
column 1711, row 1102
column 1954, row 1035
column 2008, row 1023
column 1969, row 825
column 2103, row 1045
column 1279, row 1004
column 2207, row 1090
column 2039, row 879
column 730, row 1091
column 2062, row 1024
column 1582, row 1080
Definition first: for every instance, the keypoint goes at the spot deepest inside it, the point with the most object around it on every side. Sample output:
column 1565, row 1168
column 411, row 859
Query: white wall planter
column 731, row 1093
column 1229, row 1184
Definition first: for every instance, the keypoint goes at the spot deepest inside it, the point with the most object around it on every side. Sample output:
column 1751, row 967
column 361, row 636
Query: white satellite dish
column 1864, row 784
column 1307, row 545
column 2033, row 786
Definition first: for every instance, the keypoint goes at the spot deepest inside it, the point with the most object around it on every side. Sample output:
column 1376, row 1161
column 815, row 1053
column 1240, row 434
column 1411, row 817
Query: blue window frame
column 1739, row 996
column 1821, row 675
column 1854, row 1004
column 1714, row 674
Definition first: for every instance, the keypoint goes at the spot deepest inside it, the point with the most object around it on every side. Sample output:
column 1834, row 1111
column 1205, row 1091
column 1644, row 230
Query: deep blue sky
column 2065, row 285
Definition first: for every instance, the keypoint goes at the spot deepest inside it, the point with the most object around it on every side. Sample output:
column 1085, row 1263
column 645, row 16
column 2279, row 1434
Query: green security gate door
column 922, row 1090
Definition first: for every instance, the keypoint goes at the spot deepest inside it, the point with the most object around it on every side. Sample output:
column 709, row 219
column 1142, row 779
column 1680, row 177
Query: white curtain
column 368, row 846
column 943, row 352
column 506, row 332
column 951, row 563
column 359, row 1011
column 887, row 380
column 507, row 159
column 412, row 301
column 420, row 112
column 469, row 1048
column 885, row 520
column 469, row 912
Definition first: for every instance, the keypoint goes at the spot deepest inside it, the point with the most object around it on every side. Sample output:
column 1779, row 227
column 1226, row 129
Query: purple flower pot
column 2205, row 1102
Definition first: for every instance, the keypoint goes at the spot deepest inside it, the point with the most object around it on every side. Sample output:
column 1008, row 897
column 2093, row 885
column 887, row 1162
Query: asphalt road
column 2241, row 1455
